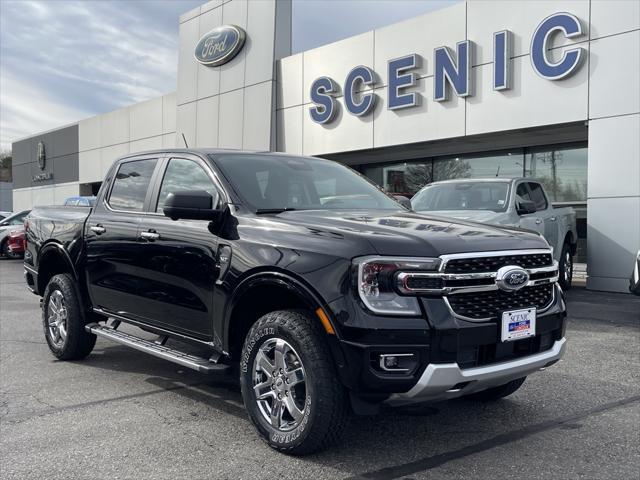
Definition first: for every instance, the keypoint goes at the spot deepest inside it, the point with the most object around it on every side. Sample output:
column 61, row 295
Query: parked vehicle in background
column 14, row 222
column 318, row 290
column 4, row 215
column 80, row 201
column 518, row 202
column 15, row 243
column 634, row 281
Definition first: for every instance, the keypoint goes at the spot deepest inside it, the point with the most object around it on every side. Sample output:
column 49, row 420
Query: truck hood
column 411, row 234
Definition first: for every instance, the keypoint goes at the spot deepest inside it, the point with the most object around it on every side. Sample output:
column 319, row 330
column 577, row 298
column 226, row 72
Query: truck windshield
column 462, row 196
column 273, row 183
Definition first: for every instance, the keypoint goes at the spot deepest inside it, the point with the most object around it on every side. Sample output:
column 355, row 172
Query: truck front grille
column 488, row 305
column 493, row 263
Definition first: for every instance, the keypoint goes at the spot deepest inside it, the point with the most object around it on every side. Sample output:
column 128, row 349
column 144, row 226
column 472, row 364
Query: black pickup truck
column 319, row 291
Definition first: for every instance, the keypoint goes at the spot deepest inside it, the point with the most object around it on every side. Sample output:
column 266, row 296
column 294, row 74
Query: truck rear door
column 111, row 237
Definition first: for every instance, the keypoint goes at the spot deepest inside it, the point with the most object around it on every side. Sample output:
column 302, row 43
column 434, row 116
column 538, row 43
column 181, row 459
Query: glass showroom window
column 485, row 165
column 562, row 171
column 404, row 178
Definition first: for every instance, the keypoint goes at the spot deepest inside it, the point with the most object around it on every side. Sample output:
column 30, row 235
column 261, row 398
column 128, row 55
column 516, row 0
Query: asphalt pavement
column 123, row 414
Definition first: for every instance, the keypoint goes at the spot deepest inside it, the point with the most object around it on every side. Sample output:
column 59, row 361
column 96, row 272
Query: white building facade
column 549, row 89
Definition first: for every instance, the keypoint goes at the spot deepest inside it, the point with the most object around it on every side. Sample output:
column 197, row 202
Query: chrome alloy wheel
column 279, row 384
column 57, row 316
column 567, row 267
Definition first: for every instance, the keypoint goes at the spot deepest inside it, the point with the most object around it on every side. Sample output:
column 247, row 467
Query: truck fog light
column 397, row 362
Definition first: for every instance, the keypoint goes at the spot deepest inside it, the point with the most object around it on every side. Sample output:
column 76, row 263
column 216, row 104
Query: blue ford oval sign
column 220, row 45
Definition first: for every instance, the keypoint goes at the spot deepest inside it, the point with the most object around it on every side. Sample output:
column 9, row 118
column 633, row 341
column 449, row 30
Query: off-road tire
column 326, row 403
column 496, row 393
column 565, row 267
column 78, row 342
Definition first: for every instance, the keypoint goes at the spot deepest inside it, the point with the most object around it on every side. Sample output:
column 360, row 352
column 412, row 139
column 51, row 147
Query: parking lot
column 123, row 414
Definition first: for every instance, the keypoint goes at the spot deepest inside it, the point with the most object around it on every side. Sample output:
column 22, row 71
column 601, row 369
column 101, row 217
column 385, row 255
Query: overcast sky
column 62, row 61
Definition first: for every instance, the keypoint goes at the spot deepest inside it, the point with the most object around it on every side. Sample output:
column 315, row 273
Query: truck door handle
column 150, row 236
column 538, row 221
column 98, row 229
column 553, row 219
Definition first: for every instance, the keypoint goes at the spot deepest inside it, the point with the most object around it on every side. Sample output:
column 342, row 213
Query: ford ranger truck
column 518, row 202
column 322, row 294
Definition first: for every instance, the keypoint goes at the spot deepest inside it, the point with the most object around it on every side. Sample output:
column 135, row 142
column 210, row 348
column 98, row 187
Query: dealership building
column 547, row 89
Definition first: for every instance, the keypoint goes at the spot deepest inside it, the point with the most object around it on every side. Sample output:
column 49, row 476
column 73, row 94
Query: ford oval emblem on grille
column 220, row 45
column 511, row 278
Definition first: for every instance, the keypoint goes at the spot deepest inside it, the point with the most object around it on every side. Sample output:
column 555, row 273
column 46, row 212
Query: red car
column 16, row 243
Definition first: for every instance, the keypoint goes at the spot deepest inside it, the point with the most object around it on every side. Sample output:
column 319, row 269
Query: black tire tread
column 79, row 342
column 332, row 401
column 565, row 285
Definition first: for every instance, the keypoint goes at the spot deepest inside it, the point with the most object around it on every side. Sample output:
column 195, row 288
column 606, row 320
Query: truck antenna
column 498, row 172
column 185, row 140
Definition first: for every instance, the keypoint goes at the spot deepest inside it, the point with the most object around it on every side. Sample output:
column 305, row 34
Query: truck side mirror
column 190, row 205
column 524, row 207
column 404, row 201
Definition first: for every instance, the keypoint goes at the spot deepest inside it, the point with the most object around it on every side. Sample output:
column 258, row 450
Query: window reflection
column 562, row 171
column 130, row 186
column 182, row 174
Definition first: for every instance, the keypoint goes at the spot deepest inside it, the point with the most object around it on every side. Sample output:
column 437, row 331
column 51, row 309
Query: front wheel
column 566, row 267
column 289, row 384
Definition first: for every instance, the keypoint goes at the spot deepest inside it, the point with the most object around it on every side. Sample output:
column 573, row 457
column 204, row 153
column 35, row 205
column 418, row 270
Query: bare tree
column 5, row 165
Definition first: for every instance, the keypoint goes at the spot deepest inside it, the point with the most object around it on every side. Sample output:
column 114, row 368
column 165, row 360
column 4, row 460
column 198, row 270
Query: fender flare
column 274, row 278
column 59, row 249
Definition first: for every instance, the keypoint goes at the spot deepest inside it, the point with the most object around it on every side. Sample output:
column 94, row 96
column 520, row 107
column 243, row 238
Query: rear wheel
column 566, row 267
column 289, row 384
column 496, row 393
column 63, row 320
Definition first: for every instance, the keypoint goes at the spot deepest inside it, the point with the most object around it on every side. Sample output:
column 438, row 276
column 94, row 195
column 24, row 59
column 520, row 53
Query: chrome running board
column 158, row 349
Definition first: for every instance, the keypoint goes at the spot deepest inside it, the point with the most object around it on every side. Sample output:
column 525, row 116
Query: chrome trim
column 498, row 253
column 438, row 380
column 486, row 319
column 199, row 364
column 30, row 268
column 403, row 276
column 383, row 356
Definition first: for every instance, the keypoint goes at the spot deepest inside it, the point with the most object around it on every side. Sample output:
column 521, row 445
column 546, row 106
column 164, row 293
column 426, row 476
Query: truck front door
column 179, row 257
column 531, row 221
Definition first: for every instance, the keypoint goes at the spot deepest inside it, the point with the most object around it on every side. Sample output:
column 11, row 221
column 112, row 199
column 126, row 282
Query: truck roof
column 202, row 151
column 489, row 179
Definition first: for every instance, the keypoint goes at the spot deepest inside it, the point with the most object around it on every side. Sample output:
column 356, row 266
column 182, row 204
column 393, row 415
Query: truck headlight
column 376, row 283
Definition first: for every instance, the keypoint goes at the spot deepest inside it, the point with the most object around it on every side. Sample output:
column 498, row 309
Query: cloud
column 61, row 61
column 65, row 60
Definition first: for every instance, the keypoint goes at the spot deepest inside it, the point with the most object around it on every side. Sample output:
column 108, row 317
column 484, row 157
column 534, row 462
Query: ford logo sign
column 511, row 278
column 220, row 45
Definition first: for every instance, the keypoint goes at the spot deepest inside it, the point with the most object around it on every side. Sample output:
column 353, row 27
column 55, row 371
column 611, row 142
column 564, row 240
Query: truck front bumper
column 447, row 380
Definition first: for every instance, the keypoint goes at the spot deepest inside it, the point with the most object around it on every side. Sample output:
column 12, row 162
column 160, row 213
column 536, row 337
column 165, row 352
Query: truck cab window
column 182, row 174
column 522, row 194
column 130, row 185
column 537, row 196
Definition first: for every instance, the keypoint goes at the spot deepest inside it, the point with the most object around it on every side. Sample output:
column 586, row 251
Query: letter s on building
column 570, row 26
column 325, row 105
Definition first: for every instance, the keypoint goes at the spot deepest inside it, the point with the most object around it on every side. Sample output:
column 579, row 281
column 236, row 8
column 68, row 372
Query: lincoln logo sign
column 220, row 45
column 511, row 278
column 42, row 157
column 452, row 71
